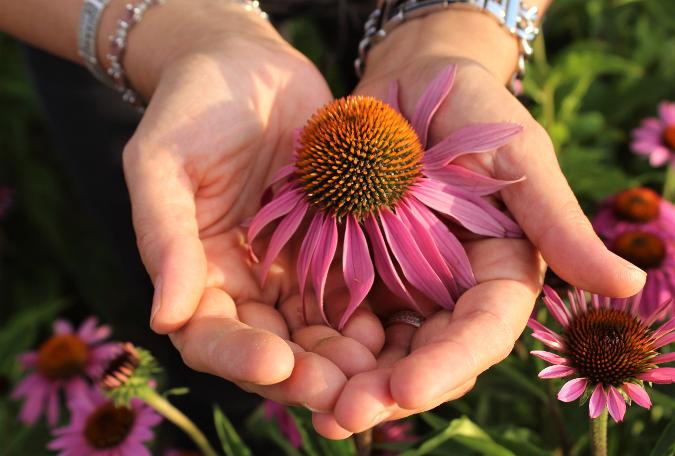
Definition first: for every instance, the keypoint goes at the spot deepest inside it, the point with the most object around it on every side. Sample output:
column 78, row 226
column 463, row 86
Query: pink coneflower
column 98, row 427
column 632, row 209
column 62, row 362
column 656, row 137
column 278, row 413
column 360, row 165
column 609, row 349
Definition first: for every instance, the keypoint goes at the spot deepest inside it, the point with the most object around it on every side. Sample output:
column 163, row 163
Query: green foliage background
column 600, row 68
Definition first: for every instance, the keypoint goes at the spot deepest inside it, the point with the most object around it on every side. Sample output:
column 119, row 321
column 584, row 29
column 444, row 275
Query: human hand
column 419, row 369
column 227, row 93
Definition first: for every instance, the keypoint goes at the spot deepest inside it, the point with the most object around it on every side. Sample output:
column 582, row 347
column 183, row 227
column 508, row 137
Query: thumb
column 167, row 234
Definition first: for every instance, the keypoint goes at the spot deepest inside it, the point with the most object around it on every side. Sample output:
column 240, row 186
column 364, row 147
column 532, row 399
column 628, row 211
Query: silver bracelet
column 90, row 18
column 511, row 14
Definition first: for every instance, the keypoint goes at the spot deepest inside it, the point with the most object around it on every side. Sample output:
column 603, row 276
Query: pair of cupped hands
column 225, row 101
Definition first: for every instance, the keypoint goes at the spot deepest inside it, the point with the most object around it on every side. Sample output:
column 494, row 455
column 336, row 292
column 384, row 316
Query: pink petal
column 667, row 112
column 357, row 268
column 392, row 96
column 557, row 371
column 428, row 246
column 447, row 243
column 549, row 340
column 413, row 263
column 549, row 357
column 282, row 173
column 385, row 267
column 470, row 140
column 297, row 134
column 27, row 360
column 556, row 306
column 281, row 205
column 281, row 236
column 663, row 358
column 62, row 327
column 53, row 405
column 572, row 390
column 665, row 328
column 468, row 180
column 616, row 404
column 323, row 257
column 431, row 100
column 307, row 253
column 661, row 375
column 598, row 402
column 663, row 341
column 637, row 395
column 468, row 214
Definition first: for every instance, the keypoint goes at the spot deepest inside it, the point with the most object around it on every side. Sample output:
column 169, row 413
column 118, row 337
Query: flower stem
column 171, row 413
column 364, row 442
column 669, row 184
column 599, row 434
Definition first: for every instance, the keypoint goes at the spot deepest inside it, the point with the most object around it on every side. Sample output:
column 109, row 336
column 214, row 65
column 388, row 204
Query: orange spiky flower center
column 62, row 356
column 608, row 346
column 669, row 136
column 637, row 205
column 645, row 250
column 108, row 425
column 357, row 155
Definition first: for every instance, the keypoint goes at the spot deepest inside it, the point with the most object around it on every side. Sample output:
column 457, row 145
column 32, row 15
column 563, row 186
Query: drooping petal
column 549, row 357
column 468, row 180
column 556, row 306
column 637, row 395
column 598, row 402
column 667, row 327
column 357, row 267
column 392, row 96
column 431, row 100
column 616, row 404
column 447, row 243
column 549, row 340
column 664, row 340
column 663, row 358
column 662, row 375
column 470, row 140
column 413, row 263
column 281, row 236
column 385, row 267
column 323, row 257
column 282, row 173
column 281, row 205
column 557, row 371
column 468, row 214
column 427, row 245
column 306, row 254
column 572, row 390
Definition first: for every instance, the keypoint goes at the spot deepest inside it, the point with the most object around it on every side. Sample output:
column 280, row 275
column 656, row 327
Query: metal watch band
column 92, row 10
column 515, row 17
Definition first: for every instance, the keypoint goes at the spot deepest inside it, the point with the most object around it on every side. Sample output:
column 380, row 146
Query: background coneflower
column 64, row 361
column 363, row 169
column 655, row 138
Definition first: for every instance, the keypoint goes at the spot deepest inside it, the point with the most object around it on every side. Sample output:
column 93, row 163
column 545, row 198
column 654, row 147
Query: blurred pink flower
column 100, row 428
column 393, row 432
column 607, row 347
column 278, row 413
column 361, row 166
column 655, row 138
column 634, row 208
column 64, row 361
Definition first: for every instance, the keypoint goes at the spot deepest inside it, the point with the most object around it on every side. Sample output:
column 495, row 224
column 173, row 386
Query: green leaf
column 229, row 439
column 665, row 446
column 180, row 391
column 434, row 421
column 465, row 432
column 528, row 383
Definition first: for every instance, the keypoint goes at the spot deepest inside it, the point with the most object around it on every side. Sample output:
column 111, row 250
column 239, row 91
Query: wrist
column 173, row 31
column 459, row 33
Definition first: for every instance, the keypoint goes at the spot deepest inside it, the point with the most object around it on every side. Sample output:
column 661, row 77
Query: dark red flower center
column 608, row 346
column 357, row 155
column 637, row 205
column 62, row 356
column 669, row 136
column 108, row 425
column 645, row 250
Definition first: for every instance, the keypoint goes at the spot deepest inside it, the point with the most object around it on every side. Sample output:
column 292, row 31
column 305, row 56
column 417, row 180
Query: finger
column 326, row 426
column 398, row 339
column 163, row 209
column 366, row 401
column 456, row 347
column 263, row 316
column 346, row 353
column 217, row 343
column 547, row 210
column 315, row 384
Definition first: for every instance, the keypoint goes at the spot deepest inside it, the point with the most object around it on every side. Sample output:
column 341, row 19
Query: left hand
column 420, row 369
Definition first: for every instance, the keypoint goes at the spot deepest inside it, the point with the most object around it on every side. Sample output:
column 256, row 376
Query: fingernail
column 156, row 299
column 380, row 417
column 634, row 269
column 314, row 410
